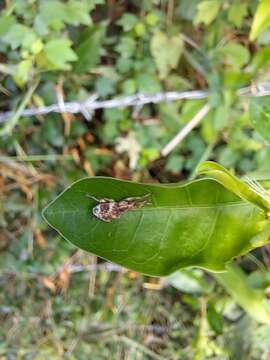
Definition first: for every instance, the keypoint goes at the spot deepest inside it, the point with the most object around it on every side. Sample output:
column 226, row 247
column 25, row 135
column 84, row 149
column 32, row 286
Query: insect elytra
column 109, row 209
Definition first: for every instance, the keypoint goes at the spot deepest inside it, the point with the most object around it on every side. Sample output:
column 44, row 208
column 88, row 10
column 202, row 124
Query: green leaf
column 6, row 22
column 251, row 300
column 259, row 108
column 261, row 19
column 246, row 191
column 88, row 50
column 236, row 55
column 76, row 13
column 127, row 21
column 55, row 13
column 207, row 11
column 104, row 86
column 166, row 52
column 58, row 53
column 237, row 12
column 17, row 34
column 52, row 12
column 199, row 223
column 189, row 281
column 214, row 318
column 14, row 118
column 23, row 71
column 259, row 60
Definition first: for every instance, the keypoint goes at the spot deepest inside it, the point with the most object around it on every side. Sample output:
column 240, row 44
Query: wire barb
column 92, row 103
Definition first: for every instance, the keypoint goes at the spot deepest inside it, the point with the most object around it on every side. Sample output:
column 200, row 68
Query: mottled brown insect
column 109, row 209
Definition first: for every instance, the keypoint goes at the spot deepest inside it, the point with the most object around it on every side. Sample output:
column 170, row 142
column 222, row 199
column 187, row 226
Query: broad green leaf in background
column 17, row 35
column 77, row 12
column 259, row 60
column 59, row 53
column 88, row 49
column 166, row 52
column 237, row 12
column 261, row 19
column 74, row 12
column 199, row 223
column 236, row 55
column 250, row 299
column 259, row 108
column 6, row 23
column 207, row 11
column 128, row 21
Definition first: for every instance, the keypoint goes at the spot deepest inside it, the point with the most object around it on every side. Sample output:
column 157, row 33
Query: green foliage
column 260, row 116
column 88, row 49
column 58, row 53
column 207, row 11
column 75, row 48
column 261, row 19
column 166, row 52
column 162, row 237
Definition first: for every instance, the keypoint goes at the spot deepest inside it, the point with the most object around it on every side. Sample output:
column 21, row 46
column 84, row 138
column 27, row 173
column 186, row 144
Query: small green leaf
column 104, row 86
column 259, row 108
column 127, row 21
column 23, row 71
column 260, row 59
column 175, row 163
column 126, row 47
column 261, row 19
column 88, row 49
column 6, row 22
column 236, row 55
column 59, row 53
column 237, row 12
column 77, row 12
column 251, row 300
column 189, row 280
column 214, row 318
column 207, row 11
column 52, row 11
column 16, row 35
column 166, row 52
column 199, row 223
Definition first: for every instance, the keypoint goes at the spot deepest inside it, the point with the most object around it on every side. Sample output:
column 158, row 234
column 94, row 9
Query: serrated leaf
column 207, row 11
column 127, row 21
column 88, row 49
column 59, row 53
column 17, row 34
column 51, row 11
column 259, row 108
column 166, row 52
column 236, row 55
column 77, row 12
column 236, row 13
column 199, row 223
column 261, row 19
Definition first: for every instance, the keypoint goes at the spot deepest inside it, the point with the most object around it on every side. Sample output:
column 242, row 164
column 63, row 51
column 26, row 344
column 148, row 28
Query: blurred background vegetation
column 57, row 302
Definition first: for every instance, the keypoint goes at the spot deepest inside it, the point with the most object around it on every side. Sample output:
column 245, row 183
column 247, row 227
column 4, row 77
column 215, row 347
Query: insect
column 109, row 209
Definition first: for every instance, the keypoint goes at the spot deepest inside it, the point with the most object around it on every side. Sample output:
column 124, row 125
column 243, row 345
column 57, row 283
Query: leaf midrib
column 193, row 206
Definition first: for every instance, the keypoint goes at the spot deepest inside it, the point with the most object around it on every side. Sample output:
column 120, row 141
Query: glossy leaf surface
column 259, row 108
column 199, row 223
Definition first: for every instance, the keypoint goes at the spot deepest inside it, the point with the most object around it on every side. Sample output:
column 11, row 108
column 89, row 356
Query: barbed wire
column 87, row 107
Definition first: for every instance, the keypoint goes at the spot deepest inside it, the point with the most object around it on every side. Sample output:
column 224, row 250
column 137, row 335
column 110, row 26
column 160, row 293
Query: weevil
column 109, row 209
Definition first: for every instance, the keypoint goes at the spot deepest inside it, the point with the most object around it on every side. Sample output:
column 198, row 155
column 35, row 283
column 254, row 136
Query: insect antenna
column 92, row 197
